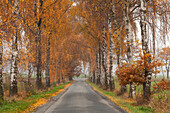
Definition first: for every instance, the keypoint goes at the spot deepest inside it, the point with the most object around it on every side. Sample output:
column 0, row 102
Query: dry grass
column 160, row 102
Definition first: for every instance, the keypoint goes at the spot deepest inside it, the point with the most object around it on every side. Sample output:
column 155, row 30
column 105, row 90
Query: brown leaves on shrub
column 162, row 85
column 135, row 71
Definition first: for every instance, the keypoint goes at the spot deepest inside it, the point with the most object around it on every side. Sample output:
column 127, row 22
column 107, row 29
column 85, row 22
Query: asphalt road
column 80, row 98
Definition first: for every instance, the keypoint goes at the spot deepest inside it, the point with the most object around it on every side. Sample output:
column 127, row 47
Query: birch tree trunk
column 100, row 64
column 111, row 85
column 167, row 66
column 1, row 79
column 147, row 83
column 132, row 90
column 168, row 72
column 48, row 64
column 14, row 69
column 153, row 37
column 104, row 56
column 97, row 70
column 90, row 75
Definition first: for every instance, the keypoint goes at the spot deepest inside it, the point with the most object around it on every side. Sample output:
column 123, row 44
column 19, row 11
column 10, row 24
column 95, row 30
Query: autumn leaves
column 38, row 36
column 54, row 38
column 113, row 28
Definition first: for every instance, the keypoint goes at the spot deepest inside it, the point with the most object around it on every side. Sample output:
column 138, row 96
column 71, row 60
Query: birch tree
column 129, row 36
column 111, row 82
column 104, row 56
column 1, row 79
column 144, row 36
column 14, row 69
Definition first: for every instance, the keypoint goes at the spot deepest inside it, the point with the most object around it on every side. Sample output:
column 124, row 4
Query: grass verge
column 125, row 103
column 30, row 103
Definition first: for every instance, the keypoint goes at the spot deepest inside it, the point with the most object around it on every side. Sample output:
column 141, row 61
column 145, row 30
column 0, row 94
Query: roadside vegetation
column 158, row 104
column 27, row 103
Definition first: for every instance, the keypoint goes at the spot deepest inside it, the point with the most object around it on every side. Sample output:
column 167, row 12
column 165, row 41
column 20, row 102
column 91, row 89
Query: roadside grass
column 30, row 102
column 123, row 102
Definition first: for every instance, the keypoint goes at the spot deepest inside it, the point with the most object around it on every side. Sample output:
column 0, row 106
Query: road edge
column 114, row 105
column 43, row 108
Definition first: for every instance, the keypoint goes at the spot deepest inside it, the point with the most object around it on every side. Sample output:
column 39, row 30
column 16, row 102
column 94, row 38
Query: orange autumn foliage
column 162, row 85
column 135, row 71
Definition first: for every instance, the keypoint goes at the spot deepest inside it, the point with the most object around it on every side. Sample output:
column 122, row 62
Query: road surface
column 80, row 98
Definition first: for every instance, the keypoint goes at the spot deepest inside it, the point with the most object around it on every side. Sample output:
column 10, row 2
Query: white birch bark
column 143, row 25
column 111, row 82
column 129, row 36
column 100, row 64
column 104, row 56
column 14, row 68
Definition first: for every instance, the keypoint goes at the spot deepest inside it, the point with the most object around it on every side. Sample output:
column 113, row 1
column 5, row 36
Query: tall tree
column 144, row 36
column 111, row 85
column 37, row 11
column 1, row 79
column 104, row 55
column 48, row 64
column 15, row 37
column 129, row 36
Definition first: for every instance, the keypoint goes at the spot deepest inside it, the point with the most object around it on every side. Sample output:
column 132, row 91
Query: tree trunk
column 111, row 82
column 132, row 90
column 29, row 73
column 147, row 83
column 104, row 56
column 153, row 36
column 90, row 75
column 63, row 79
column 167, row 68
column 38, row 44
column 14, row 69
column 39, row 79
column 58, row 81
column 100, row 63
column 123, row 89
column 93, row 78
column 168, row 74
column 97, row 70
column 1, row 79
column 71, row 78
column 115, row 25
column 48, row 65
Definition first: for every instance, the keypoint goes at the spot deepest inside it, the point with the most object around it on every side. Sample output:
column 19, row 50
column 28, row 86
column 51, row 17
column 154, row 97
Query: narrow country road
column 80, row 98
